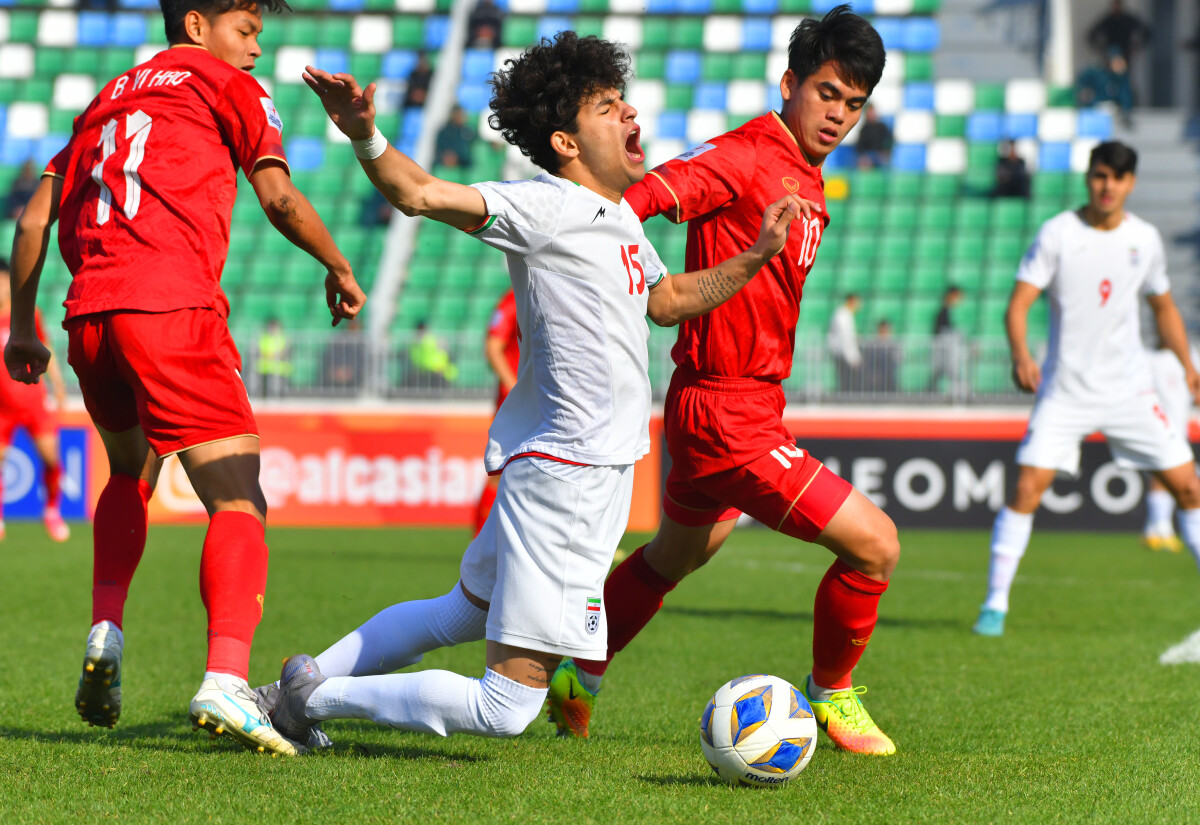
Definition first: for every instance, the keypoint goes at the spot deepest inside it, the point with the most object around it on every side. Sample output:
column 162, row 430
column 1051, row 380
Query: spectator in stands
column 376, row 211
column 881, row 360
column 1110, row 82
column 1120, row 31
column 949, row 349
column 874, row 145
column 454, row 141
column 273, row 361
column 842, row 341
column 417, row 87
column 21, row 191
column 1012, row 178
column 485, row 25
column 432, row 368
column 344, row 362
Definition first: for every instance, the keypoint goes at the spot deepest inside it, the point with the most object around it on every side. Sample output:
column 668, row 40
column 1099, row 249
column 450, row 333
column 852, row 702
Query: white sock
column 105, row 628
column 432, row 701
column 821, row 694
column 1010, row 537
column 397, row 636
column 1160, row 511
column 1189, row 527
column 226, row 681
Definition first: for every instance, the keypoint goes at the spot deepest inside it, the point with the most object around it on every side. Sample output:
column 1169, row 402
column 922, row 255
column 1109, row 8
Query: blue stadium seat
column 3, row 120
column 93, row 28
column 552, row 25
column 842, row 157
column 346, row 5
column 921, row 34
column 398, row 64
column 436, row 29
column 332, row 60
column 672, row 126
column 413, row 120
column 478, row 65
column 908, row 157
column 774, row 97
column 15, row 151
column 760, row 6
column 47, row 147
column 918, row 96
column 128, row 30
column 1018, row 126
column 1094, row 123
column 891, row 29
column 756, row 34
column 305, row 154
column 562, row 6
column 694, row 6
column 987, row 126
column 709, row 95
column 682, row 67
column 474, row 97
column 138, row 4
column 1054, row 157
column 860, row 6
column 662, row 6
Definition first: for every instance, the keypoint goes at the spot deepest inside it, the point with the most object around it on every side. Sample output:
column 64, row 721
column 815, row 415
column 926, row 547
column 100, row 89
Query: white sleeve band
column 370, row 148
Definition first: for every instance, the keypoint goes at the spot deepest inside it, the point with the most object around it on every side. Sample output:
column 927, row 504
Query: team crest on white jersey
column 696, row 151
column 1134, row 256
column 591, row 622
column 272, row 113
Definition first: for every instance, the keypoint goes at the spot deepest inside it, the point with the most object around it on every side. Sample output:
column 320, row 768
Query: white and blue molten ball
column 758, row 731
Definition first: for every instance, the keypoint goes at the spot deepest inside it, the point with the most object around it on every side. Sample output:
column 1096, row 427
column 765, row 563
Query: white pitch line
column 1186, row 652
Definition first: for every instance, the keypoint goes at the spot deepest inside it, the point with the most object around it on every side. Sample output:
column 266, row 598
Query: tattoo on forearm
column 716, row 287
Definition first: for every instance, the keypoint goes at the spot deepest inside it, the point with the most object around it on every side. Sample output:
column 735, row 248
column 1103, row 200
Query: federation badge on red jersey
column 272, row 113
column 696, row 151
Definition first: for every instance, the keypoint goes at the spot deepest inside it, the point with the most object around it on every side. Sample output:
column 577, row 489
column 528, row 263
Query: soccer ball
column 758, row 731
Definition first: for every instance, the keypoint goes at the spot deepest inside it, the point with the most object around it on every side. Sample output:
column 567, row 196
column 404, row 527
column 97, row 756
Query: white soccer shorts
column 1138, row 432
column 544, row 552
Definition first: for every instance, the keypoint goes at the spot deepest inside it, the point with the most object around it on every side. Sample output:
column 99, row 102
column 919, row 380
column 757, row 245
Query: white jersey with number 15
column 1095, row 281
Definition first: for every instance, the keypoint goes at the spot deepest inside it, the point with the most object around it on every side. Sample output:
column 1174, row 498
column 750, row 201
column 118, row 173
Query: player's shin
column 633, row 593
column 844, row 616
column 233, row 579
column 119, row 536
column 1189, row 527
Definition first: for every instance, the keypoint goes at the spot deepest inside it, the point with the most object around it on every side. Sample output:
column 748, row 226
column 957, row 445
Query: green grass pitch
column 1068, row 718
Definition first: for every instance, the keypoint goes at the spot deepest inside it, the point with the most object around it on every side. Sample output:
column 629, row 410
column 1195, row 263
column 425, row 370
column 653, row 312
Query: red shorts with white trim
column 37, row 419
column 176, row 374
column 731, row 454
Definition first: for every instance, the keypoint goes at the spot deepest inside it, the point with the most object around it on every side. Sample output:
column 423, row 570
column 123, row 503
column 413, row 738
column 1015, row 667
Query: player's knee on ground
column 506, row 707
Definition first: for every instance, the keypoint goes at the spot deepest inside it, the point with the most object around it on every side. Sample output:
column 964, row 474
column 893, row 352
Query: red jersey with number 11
column 721, row 188
column 150, row 177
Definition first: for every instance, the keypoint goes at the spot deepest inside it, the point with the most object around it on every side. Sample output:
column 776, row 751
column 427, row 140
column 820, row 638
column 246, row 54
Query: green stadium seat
column 999, row 277
column 904, row 185
column 593, row 6
column 1009, row 213
column 972, row 213
column 866, row 213
column 519, row 32
column 982, row 155
column 858, row 245
column 830, row 250
column 900, row 214
column 458, row 276
column 408, row 32
column 48, row 61
column 650, row 65
column 914, row 376
column 795, row 6
column 878, row 308
column 1042, row 211
column 940, row 187
column 989, row 97
column 749, row 66
column 968, row 275
column 968, row 246
column 896, row 248
column 1006, row 246
column 936, row 215
column 716, row 66
column 950, row 126
column 891, row 277
column 928, row 278
column 932, row 246
column 677, row 97
column 656, row 32
column 853, row 277
column 687, row 33
column 919, row 314
column 22, row 26
column 334, row 32
column 1050, row 184
column 585, row 26
column 918, row 66
column 871, row 184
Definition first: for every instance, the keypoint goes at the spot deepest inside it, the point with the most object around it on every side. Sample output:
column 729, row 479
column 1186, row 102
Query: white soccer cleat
column 231, row 708
column 98, row 698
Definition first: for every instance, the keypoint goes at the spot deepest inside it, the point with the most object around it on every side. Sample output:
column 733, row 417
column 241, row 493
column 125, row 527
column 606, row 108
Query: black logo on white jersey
column 599, row 214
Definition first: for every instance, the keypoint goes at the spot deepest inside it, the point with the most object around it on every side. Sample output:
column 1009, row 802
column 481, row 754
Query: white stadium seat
column 73, row 92
column 627, row 6
column 16, row 60
column 747, row 97
column 3, row 26
column 953, row 97
column 648, row 97
column 290, row 62
column 703, row 125
column 893, row 69
column 147, row 50
column 897, row 7
column 1081, row 152
column 526, row 6
column 416, row 6
column 28, row 120
column 627, row 30
column 781, row 32
column 371, row 34
column 57, row 28
column 1057, row 125
column 946, row 156
column 913, row 127
column 1025, row 96
column 722, row 33
column 888, row 100
column 662, row 151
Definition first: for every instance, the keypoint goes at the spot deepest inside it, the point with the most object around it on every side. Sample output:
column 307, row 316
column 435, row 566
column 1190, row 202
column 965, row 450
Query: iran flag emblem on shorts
column 591, row 622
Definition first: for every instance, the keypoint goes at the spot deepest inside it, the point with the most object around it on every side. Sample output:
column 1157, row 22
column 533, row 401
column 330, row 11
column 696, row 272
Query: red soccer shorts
column 731, row 454
column 174, row 373
column 37, row 419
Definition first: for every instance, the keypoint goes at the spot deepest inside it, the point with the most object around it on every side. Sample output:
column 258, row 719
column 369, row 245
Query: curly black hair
column 541, row 92
column 843, row 37
column 175, row 10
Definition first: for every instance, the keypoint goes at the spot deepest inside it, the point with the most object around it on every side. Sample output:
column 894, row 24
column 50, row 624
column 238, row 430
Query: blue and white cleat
column 230, row 708
column 297, row 681
column 268, row 697
column 98, row 698
column 990, row 622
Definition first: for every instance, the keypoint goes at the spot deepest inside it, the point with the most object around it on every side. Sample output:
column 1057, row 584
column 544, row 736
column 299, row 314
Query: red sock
column 486, row 499
column 632, row 595
column 119, row 537
column 50, row 479
column 845, row 612
column 233, row 579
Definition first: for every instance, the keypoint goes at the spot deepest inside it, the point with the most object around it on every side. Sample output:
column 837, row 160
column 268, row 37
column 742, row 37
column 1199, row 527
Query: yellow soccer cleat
column 569, row 704
column 847, row 723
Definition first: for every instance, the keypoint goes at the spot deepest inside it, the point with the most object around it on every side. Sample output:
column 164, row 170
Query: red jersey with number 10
column 150, row 177
column 721, row 188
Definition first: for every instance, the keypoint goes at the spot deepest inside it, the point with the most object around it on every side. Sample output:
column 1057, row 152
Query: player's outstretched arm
column 25, row 356
column 406, row 185
column 685, row 296
column 291, row 213
column 1173, row 334
column 1025, row 370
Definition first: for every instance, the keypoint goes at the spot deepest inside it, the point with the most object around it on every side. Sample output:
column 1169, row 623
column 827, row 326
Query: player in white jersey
column 584, row 277
column 1095, row 265
column 1171, row 382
